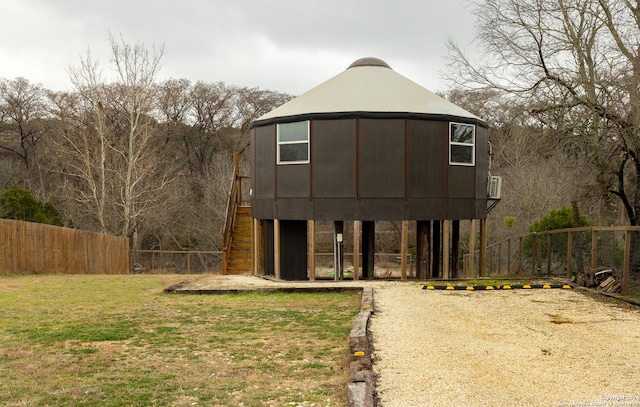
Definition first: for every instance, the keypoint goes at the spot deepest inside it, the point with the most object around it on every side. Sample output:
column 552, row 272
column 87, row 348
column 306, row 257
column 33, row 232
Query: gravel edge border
column 361, row 387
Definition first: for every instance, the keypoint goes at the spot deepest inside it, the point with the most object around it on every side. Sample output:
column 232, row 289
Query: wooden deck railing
column 235, row 199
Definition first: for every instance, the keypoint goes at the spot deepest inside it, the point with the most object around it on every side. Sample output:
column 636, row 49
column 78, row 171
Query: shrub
column 19, row 203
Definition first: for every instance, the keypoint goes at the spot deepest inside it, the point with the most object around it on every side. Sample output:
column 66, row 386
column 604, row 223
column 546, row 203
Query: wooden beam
column 483, row 248
column 423, row 249
column 276, row 248
column 446, row 234
column 405, row 249
column 312, row 249
column 472, row 249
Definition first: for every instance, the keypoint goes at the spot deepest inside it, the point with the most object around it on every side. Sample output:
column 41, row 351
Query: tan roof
column 368, row 85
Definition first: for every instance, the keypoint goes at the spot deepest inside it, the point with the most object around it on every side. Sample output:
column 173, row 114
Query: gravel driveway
column 542, row 347
column 538, row 347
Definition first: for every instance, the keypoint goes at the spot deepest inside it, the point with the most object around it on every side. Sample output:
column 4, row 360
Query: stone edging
column 361, row 387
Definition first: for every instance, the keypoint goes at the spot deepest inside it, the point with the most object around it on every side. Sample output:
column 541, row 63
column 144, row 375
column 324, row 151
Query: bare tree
column 575, row 63
column 108, row 141
column 22, row 113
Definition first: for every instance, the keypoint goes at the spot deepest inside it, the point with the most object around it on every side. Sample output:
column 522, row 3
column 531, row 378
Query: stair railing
column 232, row 207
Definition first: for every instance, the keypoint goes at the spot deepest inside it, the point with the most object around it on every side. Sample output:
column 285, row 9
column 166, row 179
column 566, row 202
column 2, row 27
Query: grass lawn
column 77, row 340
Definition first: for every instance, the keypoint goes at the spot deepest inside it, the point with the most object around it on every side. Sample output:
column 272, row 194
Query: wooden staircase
column 240, row 256
column 237, row 246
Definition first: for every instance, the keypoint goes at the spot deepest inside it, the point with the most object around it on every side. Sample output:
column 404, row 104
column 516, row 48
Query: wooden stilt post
column 423, row 249
column 455, row 248
column 405, row 249
column 276, row 248
column 312, row 249
column 483, row 248
column 446, row 234
column 356, row 250
column 471, row 267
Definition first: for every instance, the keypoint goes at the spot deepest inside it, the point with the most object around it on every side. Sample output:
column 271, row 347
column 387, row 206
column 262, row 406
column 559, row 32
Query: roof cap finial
column 369, row 61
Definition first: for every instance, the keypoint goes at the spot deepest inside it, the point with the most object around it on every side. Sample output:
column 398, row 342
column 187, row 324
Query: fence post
column 534, row 254
column 548, row 255
column 626, row 269
column 520, row 267
column 189, row 263
column 569, row 253
column 509, row 256
column 594, row 248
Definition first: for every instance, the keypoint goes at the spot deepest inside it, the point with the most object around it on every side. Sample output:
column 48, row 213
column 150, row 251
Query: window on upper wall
column 293, row 143
column 462, row 141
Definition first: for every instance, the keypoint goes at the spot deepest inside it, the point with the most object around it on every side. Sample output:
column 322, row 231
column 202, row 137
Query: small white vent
column 495, row 185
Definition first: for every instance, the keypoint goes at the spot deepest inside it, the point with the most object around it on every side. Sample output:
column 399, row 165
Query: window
column 462, row 140
column 293, row 143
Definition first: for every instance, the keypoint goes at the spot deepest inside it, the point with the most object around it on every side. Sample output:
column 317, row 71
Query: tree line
column 558, row 81
column 131, row 155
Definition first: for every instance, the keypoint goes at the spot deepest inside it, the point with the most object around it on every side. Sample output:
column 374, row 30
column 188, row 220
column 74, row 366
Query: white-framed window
column 293, row 143
column 462, row 144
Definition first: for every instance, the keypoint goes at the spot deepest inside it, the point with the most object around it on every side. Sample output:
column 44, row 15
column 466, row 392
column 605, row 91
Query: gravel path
column 545, row 347
column 540, row 347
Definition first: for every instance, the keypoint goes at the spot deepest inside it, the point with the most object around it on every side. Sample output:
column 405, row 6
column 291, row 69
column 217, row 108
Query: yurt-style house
column 367, row 145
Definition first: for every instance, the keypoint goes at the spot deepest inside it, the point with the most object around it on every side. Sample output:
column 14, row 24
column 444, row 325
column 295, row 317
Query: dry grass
column 119, row 340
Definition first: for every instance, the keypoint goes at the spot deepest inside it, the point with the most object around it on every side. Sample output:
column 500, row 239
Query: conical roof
column 367, row 88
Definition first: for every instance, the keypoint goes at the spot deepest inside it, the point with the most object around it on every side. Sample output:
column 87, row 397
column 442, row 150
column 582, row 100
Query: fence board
column 37, row 248
column 570, row 251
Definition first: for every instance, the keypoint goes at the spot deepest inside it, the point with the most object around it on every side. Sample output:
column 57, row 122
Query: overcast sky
column 282, row 45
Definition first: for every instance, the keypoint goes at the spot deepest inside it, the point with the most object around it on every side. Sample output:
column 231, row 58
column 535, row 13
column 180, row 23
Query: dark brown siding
column 294, row 208
column 462, row 181
column 482, row 162
column 292, row 180
column 333, row 157
column 358, row 172
column 427, row 159
column 265, row 158
column 381, row 147
column 293, row 250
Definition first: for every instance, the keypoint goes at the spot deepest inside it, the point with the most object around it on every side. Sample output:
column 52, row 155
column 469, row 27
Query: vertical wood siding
column 35, row 248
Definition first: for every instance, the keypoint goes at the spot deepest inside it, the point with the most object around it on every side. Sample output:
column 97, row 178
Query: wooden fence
column 567, row 252
column 35, row 248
